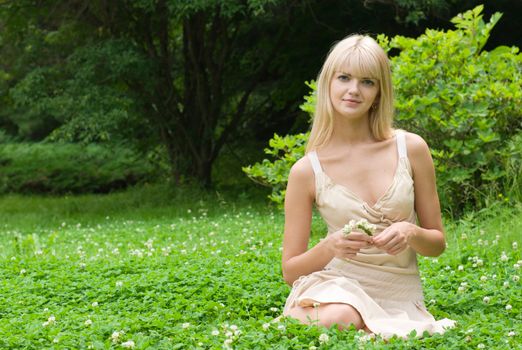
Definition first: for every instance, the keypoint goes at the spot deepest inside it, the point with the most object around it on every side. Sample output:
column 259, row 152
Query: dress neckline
column 355, row 196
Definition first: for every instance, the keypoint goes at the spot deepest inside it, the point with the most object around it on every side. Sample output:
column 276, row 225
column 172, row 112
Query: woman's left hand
column 394, row 239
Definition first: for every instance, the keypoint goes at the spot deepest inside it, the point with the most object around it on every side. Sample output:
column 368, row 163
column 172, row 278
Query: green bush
column 463, row 100
column 69, row 168
column 287, row 150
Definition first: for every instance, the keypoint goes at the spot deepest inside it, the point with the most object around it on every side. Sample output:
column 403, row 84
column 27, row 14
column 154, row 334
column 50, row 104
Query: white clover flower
column 464, row 236
column 115, row 337
column 281, row 327
column 229, row 334
column 233, row 327
column 511, row 334
column 185, row 325
column 228, row 341
column 50, row 321
column 266, row 326
column 481, row 346
column 94, row 304
column 479, row 262
column 508, row 307
column 274, row 309
column 514, row 245
column 461, row 289
column 516, row 266
column 88, row 322
column 486, row 300
column 22, row 271
column 460, row 268
column 119, row 284
column 129, row 344
column 504, row 257
column 324, row 338
column 313, row 347
column 483, row 278
column 506, row 284
column 515, row 278
column 361, row 226
column 215, row 332
column 366, row 337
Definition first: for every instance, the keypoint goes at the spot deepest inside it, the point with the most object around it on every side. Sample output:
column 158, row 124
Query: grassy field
column 184, row 269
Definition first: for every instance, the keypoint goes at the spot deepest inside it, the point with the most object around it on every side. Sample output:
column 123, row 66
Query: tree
column 186, row 75
column 189, row 67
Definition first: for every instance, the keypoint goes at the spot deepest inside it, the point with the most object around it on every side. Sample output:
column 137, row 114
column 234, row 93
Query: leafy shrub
column 69, row 168
column 287, row 150
column 464, row 101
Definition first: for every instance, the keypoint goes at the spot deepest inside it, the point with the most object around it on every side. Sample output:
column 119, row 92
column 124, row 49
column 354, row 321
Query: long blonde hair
column 365, row 58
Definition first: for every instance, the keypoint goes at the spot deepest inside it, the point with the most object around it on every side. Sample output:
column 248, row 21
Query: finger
column 395, row 240
column 358, row 236
column 397, row 249
column 356, row 244
column 350, row 250
column 382, row 240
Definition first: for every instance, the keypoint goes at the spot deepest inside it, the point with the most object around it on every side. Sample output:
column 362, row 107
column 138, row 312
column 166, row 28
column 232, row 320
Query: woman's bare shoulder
column 302, row 169
column 416, row 145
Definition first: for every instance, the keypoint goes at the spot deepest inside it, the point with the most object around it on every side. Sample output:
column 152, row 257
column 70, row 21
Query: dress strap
column 315, row 162
column 401, row 144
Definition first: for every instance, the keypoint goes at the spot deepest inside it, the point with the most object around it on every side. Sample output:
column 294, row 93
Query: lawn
column 185, row 269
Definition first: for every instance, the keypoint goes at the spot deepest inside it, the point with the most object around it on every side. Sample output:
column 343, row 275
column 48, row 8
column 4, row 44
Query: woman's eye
column 368, row 82
column 343, row 77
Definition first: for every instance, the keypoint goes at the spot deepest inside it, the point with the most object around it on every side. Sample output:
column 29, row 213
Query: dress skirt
column 389, row 303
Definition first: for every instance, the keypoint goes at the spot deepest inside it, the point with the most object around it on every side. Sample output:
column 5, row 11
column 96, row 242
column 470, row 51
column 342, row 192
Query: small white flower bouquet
column 360, row 226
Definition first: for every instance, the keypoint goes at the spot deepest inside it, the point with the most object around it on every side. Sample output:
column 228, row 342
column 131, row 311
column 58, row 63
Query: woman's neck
column 351, row 131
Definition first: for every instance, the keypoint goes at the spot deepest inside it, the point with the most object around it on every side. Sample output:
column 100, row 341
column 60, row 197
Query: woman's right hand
column 346, row 246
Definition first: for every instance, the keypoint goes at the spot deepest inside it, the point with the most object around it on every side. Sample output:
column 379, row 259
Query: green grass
column 182, row 269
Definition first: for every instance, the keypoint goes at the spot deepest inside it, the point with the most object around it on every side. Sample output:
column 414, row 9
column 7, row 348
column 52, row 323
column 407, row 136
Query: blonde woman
column 358, row 167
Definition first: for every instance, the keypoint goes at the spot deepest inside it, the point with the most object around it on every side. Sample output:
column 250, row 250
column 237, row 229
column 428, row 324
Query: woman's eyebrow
column 342, row 72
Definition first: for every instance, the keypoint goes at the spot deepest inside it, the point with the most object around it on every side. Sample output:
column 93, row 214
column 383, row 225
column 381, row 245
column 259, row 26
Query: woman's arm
column 297, row 260
column 426, row 238
column 299, row 199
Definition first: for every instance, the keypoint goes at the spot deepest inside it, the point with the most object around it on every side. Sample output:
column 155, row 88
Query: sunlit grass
column 153, row 268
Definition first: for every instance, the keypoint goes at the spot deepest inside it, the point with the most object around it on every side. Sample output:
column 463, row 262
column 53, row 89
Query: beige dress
column 385, row 289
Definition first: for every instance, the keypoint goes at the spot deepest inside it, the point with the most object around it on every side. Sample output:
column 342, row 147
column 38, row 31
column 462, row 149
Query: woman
column 358, row 167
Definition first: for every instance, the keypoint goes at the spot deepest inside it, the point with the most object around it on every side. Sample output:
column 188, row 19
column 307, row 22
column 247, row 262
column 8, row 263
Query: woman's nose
column 353, row 87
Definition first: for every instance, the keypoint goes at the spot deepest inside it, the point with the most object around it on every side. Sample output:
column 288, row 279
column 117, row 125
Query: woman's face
column 352, row 95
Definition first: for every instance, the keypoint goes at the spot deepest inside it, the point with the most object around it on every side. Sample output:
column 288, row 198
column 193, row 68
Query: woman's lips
column 351, row 102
